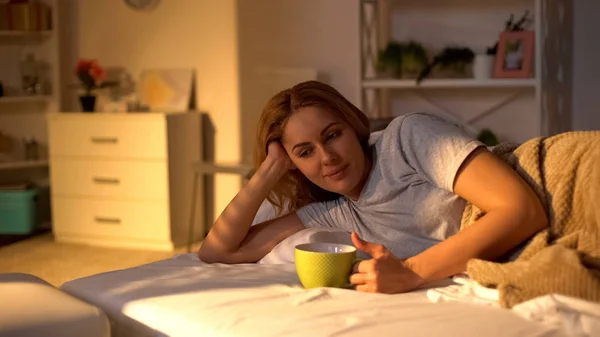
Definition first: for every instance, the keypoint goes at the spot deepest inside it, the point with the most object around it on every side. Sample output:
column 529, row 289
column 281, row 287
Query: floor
column 58, row 263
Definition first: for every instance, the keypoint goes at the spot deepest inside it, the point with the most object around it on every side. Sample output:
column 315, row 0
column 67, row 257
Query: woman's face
column 326, row 150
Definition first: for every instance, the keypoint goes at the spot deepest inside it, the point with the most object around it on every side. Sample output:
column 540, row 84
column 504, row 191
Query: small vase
column 483, row 66
column 88, row 103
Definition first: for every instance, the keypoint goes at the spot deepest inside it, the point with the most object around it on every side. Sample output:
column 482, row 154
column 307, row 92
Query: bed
column 183, row 296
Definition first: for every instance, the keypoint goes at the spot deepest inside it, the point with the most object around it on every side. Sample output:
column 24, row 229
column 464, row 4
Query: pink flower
column 82, row 65
column 92, row 75
column 97, row 73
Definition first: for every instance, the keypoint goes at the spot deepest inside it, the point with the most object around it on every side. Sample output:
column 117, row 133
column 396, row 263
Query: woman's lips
column 337, row 174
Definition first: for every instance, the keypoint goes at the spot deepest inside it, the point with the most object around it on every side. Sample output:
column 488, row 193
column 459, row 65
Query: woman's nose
column 328, row 156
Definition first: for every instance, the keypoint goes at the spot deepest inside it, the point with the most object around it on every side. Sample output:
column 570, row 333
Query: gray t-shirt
column 407, row 204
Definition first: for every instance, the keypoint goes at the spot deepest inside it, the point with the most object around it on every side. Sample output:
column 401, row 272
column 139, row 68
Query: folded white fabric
column 576, row 317
column 465, row 290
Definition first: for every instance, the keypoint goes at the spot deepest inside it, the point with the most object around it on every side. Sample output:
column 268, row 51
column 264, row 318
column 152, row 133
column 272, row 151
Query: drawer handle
column 105, row 140
column 113, row 181
column 115, row 221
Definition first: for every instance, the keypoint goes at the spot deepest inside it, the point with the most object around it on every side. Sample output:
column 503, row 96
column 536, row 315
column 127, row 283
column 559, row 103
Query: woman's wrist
column 273, row 168
column 269, row 173
column 415, row 264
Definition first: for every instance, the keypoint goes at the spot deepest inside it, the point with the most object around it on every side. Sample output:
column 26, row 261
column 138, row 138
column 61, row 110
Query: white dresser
column 123, row 180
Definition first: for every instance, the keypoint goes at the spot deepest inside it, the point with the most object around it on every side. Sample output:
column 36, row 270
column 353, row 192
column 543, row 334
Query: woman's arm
column 513, row 214
column 232, row 239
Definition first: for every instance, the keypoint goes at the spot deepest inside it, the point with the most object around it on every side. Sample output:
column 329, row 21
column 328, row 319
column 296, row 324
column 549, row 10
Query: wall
column 280, row 41
column 586, row 68
column 178, row 33
column 233, row 45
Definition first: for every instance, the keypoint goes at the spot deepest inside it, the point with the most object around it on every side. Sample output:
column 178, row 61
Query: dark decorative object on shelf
column 512, row 26
column 454, row 58
column 1, row 89
column 487, row 137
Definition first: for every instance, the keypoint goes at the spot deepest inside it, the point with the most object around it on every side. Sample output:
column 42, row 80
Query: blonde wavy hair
column 294, row 190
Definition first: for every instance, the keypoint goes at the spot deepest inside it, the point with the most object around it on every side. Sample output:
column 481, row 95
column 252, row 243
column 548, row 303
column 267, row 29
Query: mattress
column 183, row 296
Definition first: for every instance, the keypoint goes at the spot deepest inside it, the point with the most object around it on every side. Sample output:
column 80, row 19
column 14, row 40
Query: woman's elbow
column 534, row 215
column 539, row 219
column 207, row 254
column 210, row 255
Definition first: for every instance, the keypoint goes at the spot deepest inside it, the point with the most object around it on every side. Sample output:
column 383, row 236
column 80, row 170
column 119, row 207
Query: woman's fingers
column 363, row 266
column 358, row 278
column 365, row 288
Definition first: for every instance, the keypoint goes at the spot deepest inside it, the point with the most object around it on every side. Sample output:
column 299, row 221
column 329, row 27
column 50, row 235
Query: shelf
column 25, row 99
column 231, row 168
column 25, row 33
column 23, row 164
column 449, row 83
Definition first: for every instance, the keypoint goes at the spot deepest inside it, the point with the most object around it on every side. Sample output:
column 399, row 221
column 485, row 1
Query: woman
column 403, row 191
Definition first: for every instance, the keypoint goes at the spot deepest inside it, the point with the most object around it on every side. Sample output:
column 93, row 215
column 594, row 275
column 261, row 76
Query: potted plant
column 487, row 137
column 452, row 61
column 402, row 60
column 92, row 76
column 414, row 59
column 389, row 60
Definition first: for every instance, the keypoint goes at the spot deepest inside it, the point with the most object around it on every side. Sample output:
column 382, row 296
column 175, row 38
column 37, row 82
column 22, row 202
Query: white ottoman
column 29, row 306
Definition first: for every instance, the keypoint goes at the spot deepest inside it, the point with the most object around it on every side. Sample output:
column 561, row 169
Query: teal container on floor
column 18, row 212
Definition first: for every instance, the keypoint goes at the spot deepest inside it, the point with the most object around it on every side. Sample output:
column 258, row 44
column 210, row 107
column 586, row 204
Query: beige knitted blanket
column 564, row 171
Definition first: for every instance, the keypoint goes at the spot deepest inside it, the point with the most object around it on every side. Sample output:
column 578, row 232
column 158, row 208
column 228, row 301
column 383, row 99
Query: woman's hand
column 384, row 273
column 277, row 155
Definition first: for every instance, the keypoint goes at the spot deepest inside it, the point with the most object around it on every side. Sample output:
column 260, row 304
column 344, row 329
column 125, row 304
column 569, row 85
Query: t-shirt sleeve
column 326, row 214
column 435, row 147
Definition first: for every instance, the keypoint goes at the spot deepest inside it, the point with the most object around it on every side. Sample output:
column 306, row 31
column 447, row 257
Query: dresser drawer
column 108, row 138
column 109, row 178
column 123, row 219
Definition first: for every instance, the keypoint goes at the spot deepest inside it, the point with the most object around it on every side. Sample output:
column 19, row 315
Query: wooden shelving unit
column 517, row 109
column 22, row 115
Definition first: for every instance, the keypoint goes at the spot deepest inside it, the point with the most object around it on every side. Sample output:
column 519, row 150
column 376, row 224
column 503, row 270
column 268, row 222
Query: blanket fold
column 564, row 171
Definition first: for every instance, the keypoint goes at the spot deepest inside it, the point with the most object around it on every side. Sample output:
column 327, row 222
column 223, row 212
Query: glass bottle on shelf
column 29, row 75
column 31, row 148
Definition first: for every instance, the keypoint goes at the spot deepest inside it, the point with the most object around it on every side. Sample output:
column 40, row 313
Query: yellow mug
column 324, row 264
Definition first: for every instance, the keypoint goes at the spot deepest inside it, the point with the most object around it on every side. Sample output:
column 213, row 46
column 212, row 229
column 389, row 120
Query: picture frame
column 514, row 58
column 166, row 90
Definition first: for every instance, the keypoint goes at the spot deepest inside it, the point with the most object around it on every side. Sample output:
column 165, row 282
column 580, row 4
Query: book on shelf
column 28, row 15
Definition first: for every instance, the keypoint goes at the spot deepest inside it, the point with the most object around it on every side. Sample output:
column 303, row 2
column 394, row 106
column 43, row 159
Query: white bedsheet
column 185, row 297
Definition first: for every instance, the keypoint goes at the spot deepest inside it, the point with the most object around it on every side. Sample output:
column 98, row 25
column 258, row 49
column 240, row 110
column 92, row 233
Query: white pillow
column 284, row 251
column 265, row 212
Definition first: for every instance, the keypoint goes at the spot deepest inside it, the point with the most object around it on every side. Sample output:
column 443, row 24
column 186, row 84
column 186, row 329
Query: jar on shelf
column 29, row 75
column 31, row 148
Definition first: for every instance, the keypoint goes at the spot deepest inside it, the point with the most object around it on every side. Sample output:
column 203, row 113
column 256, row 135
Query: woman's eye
column 304, row 153
column 333, row 135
